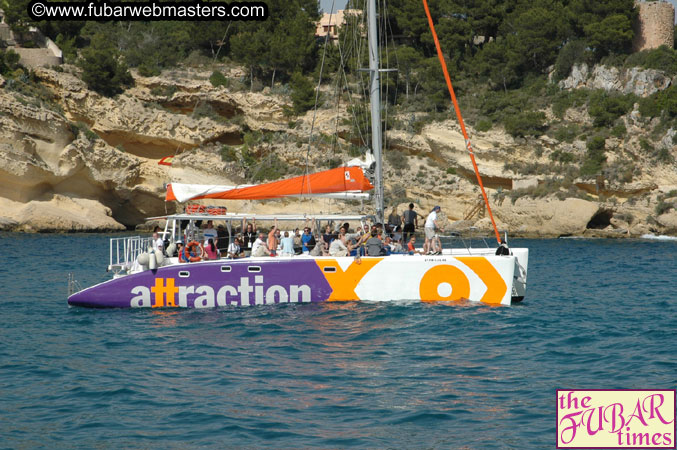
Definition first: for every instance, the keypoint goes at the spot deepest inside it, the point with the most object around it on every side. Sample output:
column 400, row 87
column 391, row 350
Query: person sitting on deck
column 211, row 250
column 234, row 250
column 223, row 240
column 158, row 243
column 411, row 246
column 298, row 243
column 394, row 221
column 259, row 247
column 179, row 250
column 287, row 243
column 374, row 244
column 308, row 240
column 327, row 238
column 339, row 247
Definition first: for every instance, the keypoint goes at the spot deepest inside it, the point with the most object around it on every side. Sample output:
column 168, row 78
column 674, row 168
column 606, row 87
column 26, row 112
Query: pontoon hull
column 258, row 281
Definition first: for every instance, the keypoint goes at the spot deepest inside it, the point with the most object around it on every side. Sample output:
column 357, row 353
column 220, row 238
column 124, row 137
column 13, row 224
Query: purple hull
column 211, row 284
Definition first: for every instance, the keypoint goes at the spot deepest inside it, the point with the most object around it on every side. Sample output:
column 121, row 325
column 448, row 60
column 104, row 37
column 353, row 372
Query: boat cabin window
column 254, row 268
column 226, row 268
column 184, row 274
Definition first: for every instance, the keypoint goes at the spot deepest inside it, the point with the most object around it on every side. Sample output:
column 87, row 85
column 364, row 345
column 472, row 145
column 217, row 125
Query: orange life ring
column 189, row 256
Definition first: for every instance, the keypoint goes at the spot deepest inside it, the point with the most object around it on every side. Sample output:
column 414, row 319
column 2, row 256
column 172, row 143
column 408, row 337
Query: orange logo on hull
column 343, row 283
column 448, row 283
column 444, row 283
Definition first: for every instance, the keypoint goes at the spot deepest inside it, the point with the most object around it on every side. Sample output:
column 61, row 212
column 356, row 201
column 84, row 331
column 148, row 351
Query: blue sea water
column 598, row 314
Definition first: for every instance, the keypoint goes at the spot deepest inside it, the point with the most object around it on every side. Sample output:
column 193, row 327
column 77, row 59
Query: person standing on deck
column 432, row 243
column 410, row 220
column 210, row 232
column 272, row 239
column 248, row 236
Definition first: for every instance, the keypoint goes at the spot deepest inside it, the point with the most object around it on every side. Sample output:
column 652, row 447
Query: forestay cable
column 460, row 118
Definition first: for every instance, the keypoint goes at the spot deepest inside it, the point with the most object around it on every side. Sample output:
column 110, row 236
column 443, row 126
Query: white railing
column 124, row 251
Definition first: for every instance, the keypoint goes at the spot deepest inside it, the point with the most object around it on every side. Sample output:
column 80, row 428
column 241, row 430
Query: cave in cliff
column 600, row 220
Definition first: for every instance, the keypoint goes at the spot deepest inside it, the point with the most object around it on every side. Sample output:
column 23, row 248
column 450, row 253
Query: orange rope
column 460, row 118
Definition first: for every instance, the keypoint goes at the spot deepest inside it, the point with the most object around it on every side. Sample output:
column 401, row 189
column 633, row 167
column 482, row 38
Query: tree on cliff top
column 16, row 14
column 101, row 68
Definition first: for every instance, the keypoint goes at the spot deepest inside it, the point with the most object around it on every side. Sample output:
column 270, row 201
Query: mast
column 375, row 100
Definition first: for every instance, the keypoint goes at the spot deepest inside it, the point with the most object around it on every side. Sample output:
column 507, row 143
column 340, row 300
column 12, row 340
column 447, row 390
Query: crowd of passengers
column 397, row 236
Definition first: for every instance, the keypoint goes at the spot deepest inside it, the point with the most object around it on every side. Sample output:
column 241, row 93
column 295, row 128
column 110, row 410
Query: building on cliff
column 654, row 26
column 45, row 54
column 329, row 24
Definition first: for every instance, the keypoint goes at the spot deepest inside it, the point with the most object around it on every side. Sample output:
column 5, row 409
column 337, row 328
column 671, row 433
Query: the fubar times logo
column 621, row 418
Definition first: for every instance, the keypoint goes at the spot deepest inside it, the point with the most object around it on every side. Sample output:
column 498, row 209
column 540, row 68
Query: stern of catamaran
column 519, row 287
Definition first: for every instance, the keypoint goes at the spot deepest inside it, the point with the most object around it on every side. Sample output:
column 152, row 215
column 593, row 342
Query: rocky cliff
column 90, row 163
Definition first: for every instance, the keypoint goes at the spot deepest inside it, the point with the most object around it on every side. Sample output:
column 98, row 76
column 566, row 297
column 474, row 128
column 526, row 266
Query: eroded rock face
column 56, row 174
column 547, row 217
column 641, row 82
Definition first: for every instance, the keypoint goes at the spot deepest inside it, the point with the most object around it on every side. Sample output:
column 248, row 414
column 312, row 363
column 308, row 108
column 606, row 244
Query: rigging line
column 350, row 93
column 384, row 36
column 460, row 117
column 364, row 86
column 344, row 56
column 317, row 97
column 397, row 62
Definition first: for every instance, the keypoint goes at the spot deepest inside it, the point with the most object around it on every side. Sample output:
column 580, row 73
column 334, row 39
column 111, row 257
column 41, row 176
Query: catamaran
column 144, row 277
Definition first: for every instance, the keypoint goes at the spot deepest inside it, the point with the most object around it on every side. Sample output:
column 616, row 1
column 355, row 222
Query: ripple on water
column 355, row 375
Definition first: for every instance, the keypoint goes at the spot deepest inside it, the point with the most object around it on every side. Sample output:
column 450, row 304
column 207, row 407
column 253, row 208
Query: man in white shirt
column 259, row 247
column 234, row 250
column 211, row 232
column 432, row 244
column 158, row 243
column 338, row 247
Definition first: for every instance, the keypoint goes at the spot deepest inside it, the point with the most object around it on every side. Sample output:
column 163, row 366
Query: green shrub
column 562, row 157
column 567, row 133
column 595, row 157
column 82, row 128
column 573, row 52
column 605, row 109
column 397, row 160
column 148, row 69
column 662, row 207
column 335, row 162
column 228, row 153
column 619, row 130
column 483, row 125
column 662, row 58
column 303, row 93
column 218, row 79
column 529, row 123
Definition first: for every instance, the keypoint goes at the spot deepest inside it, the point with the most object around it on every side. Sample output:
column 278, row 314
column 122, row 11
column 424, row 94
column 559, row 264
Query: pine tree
column 102, row 70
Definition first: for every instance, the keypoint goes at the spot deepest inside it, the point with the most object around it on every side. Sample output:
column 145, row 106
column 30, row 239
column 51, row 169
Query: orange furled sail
column 340, row 179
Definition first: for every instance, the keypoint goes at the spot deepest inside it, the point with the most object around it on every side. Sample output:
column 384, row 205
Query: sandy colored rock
column 92, row 162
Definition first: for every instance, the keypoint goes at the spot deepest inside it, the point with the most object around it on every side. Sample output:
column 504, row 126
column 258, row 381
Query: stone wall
column 37, row 57
column 654, row 26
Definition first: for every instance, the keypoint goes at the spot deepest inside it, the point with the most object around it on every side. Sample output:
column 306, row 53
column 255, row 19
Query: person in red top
column 411, row 246
column 211, row 250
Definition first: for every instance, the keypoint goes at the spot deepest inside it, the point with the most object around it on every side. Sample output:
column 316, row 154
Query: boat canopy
column 340, row 182
column 267, row 217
